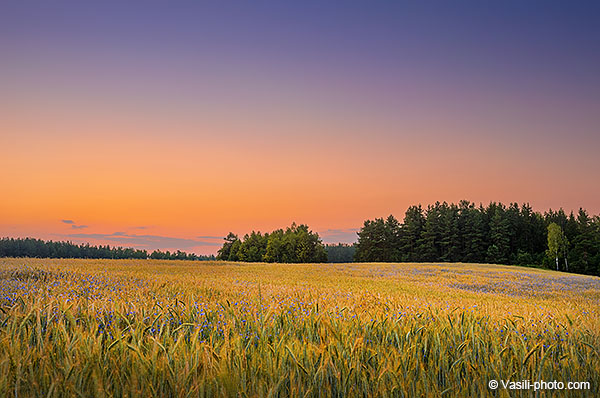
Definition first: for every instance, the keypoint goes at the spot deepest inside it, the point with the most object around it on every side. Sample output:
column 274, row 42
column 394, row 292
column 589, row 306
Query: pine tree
column 428, row 249
column 499, row 237
column 414, row 222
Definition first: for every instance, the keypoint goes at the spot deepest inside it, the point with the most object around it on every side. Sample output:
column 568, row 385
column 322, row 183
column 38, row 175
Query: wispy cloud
column 146, row 241
column 210, row 237
column 347, row 235
column 73, row 224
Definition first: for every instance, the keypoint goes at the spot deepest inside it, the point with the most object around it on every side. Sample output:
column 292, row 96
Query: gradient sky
column 168, row 124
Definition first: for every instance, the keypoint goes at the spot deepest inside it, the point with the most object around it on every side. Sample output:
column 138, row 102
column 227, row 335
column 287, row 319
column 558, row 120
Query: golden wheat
column 185, row 329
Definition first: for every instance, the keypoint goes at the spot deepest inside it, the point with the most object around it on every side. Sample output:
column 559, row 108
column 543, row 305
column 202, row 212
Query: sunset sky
column 168, row 124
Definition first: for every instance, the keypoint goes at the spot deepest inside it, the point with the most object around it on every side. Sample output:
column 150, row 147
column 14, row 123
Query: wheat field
column 150, row 328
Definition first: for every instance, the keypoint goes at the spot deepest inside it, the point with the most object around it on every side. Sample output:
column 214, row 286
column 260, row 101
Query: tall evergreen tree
column 429, row 242
column 225, row 251
column 450, row 243
column 499, row 236
column 371, row 245
column 414, row 223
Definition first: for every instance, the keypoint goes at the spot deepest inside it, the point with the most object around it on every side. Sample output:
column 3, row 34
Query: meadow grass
column 140, row 328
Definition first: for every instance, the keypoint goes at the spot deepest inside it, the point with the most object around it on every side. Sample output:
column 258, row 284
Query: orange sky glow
column 107, row 141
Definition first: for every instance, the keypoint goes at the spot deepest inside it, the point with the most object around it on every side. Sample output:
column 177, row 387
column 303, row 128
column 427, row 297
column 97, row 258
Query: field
column 172, row 328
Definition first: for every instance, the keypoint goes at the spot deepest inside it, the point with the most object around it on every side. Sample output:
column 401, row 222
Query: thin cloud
column 347, row 235
column 340, row 231
column 210, row 237
column 146, row 241
column 73, row 224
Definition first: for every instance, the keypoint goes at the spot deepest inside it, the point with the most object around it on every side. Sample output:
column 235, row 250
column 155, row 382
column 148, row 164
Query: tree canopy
column 340, row 253
column 30, row 247
column 295, row 244
column 494, row 233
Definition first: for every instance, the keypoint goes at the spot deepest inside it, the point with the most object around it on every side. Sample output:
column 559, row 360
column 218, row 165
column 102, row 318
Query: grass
column 114, row 328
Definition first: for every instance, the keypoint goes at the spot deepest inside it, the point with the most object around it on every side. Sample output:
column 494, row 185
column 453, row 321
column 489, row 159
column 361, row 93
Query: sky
column 168, row 124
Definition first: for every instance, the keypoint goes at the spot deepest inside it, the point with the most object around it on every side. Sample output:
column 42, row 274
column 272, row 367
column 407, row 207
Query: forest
column 340, row 253
column 495, row 234
column 295, row 244
column 463, row 232
column 30, row 247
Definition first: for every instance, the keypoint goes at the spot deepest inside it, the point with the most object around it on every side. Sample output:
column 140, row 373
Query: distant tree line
column 495, row 233
column 295, row 244
column 340, row 253
column 29, row 247
column 180, row 255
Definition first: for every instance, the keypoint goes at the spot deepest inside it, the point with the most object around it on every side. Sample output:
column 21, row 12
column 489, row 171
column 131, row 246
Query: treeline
column 179, row 255
column 496, row 234
column 29, row 247
column 340, row 253
column 296, row 244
